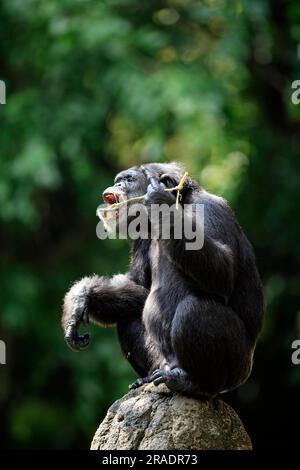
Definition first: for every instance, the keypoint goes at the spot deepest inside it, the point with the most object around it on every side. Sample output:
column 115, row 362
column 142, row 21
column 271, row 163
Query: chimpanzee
column 186, row 318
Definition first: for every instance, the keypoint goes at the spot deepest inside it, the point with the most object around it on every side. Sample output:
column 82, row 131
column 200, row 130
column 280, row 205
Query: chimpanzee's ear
column 168, row 180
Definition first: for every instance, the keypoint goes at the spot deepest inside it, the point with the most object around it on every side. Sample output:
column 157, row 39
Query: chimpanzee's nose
column 109, row 190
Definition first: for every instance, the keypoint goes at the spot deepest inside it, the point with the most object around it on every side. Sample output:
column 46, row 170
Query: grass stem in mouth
column 177, row 188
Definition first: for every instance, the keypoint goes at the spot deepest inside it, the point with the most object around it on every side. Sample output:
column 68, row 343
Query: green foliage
column 96, row 86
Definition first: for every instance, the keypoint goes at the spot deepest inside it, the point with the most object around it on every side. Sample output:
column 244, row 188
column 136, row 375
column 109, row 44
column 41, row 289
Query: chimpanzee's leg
column 138, row 348
column 211, row 346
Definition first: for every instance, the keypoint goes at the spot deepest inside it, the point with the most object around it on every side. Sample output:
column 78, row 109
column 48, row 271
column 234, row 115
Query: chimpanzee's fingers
column 75, row 341
column 71, row 338
column 85, row 316
column 151, row 178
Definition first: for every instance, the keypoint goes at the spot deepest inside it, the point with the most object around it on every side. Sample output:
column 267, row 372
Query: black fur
column 189, row 319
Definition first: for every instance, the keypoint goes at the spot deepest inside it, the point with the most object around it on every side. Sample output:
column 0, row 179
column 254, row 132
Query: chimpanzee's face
column 129, row 183
column 132, row 184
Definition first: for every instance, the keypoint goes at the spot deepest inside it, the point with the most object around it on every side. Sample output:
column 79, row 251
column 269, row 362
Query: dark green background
column 94, row 87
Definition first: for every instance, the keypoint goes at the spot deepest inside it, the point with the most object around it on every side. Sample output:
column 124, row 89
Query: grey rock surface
column 154, row 418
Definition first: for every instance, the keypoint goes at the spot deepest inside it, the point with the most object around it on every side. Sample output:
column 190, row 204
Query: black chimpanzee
column 187, row 318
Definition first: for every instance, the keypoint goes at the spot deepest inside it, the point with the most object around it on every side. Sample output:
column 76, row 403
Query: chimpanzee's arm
column 211, row 267
column 102, row 300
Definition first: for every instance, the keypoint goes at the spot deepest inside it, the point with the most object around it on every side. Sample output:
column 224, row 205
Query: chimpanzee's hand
column 156, row 193
column 75, row 314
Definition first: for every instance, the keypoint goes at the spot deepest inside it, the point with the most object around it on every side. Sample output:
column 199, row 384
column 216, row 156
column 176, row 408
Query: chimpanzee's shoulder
column 219, row 219
column 211, row 201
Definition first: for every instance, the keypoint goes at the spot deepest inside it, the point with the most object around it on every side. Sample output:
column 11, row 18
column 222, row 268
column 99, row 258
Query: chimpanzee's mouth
column 110, row 198
column 108, row 211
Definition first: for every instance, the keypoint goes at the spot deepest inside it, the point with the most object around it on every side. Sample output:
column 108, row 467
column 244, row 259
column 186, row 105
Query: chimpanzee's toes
column 139, row 382
column 176, row 379
column 159, row 376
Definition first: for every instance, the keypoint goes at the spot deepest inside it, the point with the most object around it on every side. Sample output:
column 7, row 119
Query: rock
column 154, row 418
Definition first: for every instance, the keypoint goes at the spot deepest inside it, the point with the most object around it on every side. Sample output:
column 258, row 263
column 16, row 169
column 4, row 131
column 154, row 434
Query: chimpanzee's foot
column 139, row 382
column 178, row 381
column 165, row 366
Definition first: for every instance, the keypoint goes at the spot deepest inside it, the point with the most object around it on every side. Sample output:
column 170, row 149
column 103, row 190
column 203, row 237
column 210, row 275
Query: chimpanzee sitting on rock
column 186, row 318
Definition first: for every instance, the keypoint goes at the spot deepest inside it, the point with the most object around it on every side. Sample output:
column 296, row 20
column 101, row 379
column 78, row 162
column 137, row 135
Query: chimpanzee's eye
column 129, row 178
